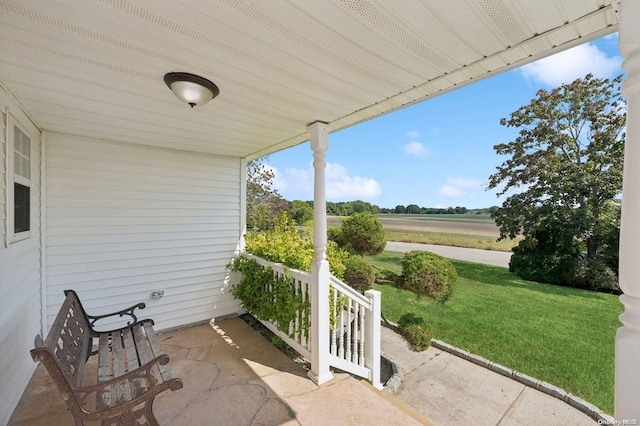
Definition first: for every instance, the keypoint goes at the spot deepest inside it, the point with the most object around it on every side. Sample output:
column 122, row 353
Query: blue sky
column 437, row 153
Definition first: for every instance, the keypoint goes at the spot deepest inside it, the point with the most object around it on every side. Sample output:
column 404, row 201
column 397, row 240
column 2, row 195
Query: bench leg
column 148, row 413
column 132, row 417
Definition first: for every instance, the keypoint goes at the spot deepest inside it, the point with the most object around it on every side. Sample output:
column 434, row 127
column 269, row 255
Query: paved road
column 488, row 257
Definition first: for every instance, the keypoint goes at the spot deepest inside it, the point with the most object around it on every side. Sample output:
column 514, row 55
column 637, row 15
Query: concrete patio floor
column 233, row 376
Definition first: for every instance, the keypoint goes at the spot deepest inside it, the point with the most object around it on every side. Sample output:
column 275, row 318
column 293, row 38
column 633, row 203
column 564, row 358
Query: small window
column 19, row 189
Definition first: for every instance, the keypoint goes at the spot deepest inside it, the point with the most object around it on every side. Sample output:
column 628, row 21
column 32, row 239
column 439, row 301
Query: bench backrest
column 67, row 345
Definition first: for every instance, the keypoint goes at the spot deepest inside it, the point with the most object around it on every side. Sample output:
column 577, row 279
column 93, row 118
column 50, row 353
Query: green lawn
column 561, row 335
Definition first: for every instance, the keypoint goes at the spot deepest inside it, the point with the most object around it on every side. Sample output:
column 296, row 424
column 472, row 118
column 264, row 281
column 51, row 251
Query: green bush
column 288, row 245
column 546, row 260
column 545, row 268
column 359, row 273
column 335, row 235
column 594, row 274
column 266, row 296
column 363, row 234
column 428, row 274
column 415, row 332
column 548, row 256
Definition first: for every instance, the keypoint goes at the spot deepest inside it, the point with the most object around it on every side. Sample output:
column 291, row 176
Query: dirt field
column 455, row 224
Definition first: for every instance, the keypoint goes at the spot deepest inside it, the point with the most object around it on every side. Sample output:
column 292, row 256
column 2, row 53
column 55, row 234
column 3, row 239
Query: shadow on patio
column 234, row 376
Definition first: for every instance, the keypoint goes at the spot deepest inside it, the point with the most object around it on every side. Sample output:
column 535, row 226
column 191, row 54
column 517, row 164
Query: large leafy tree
column 264, row 203
column 564, row 173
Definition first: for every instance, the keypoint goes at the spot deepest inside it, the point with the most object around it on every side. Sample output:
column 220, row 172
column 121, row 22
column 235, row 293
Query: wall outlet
column 157, row 294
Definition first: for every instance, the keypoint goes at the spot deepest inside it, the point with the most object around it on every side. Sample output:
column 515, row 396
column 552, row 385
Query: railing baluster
column 334, row 320
column 349, row 342
column 361, row 351
column 296, row 320
column 356, row 334
column 341, row 330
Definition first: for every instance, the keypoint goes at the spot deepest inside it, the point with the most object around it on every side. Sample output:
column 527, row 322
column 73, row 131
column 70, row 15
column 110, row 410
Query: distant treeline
column 347, row 208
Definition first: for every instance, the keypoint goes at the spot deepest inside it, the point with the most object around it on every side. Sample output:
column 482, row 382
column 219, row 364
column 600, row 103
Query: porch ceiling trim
column 94, row 67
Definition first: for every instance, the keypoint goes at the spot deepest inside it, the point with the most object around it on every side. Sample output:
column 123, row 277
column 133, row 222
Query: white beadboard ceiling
column 95, row 67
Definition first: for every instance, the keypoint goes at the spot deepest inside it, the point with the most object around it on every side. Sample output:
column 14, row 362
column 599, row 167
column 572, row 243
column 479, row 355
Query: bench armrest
column 127, row 311
column 92, row 319
column 97, row 333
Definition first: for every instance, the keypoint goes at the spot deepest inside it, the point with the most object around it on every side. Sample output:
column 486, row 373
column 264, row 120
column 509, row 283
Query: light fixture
column 191, row 88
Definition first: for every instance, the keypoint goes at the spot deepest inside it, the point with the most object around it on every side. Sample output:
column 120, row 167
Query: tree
column 400, row 209
column 301, row 212
column 566, row 164
column 264, row 203
column 412, row 209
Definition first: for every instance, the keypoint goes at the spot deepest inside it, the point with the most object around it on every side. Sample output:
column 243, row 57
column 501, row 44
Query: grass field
column 443, row 217
column 560, row 335
column 463, row 230
column 449, row 239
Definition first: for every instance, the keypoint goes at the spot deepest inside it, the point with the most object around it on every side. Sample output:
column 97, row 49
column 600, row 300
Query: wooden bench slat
column 104, row 370
column 121, row 391
column 130, row 349
column 144, row 351
column 133, row 362
column 157, row 350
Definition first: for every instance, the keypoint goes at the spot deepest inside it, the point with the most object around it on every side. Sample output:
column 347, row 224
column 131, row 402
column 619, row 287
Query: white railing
column 353, row 329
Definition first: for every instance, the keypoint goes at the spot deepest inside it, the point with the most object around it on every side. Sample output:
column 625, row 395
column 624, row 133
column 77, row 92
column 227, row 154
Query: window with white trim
column 19, row 182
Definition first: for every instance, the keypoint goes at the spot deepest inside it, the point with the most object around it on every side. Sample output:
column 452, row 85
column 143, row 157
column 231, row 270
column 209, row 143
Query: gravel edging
column 578, row 403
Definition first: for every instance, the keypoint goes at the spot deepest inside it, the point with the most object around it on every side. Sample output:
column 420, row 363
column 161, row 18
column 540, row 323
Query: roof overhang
column 95, row 67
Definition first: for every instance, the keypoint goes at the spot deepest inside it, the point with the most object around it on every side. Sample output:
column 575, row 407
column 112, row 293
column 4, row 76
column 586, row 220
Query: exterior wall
column 125, row 220
column 20, row 302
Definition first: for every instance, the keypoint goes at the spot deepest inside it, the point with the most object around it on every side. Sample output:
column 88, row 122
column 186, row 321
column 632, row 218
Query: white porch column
column 320, row 372
column 627, row 385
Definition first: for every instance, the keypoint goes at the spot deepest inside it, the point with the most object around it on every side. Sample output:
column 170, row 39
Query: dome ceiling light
column 190, row 88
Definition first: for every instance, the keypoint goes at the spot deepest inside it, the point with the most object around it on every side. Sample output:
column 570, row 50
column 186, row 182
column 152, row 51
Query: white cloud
column 565, row 67
column 448, row 191
column 296, row 183
column 416, row 148
column 413, row 134
column 341, row 186
column 458, row 187
column 464, row 183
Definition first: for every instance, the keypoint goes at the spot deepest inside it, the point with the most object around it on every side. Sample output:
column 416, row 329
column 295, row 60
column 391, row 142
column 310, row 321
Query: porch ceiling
column 96, row 67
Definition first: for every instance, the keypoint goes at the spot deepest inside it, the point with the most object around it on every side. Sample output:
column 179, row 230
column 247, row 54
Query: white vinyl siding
column 20, row 284
column 125, row 220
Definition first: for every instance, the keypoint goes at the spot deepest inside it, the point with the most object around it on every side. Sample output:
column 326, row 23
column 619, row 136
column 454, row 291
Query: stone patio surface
column 454, row 391
column 233, row 376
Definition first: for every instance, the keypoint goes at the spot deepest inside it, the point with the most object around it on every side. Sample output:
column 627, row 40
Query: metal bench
column 131, row 370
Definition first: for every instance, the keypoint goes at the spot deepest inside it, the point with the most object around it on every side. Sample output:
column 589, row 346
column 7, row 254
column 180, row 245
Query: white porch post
column 373, row 337
column 320, row 372
column 627, row 384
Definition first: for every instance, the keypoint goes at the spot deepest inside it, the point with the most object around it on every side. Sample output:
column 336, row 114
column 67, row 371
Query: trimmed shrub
column 428, row 274
column 415, row 332
column 359, row 273
column 363, row 234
